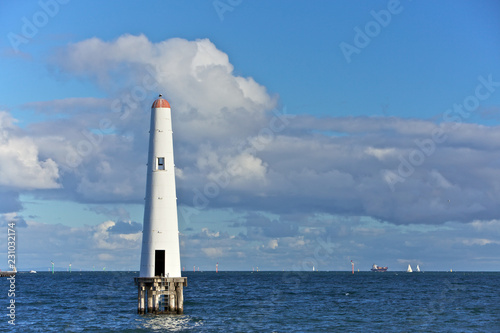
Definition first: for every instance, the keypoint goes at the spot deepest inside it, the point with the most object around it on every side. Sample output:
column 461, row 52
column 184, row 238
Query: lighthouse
column 160, row 236
column 160, row 282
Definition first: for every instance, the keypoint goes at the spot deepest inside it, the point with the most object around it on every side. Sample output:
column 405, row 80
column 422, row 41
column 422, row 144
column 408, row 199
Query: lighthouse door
column 159, row 262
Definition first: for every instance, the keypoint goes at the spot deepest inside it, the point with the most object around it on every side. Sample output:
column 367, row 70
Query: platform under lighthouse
column 160, row 282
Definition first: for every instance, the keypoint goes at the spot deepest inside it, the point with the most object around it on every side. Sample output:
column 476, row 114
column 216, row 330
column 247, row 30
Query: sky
column 305, row 133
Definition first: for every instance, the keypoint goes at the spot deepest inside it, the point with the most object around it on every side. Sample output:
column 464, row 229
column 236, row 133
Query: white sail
column 409, row 270
column 418, row 268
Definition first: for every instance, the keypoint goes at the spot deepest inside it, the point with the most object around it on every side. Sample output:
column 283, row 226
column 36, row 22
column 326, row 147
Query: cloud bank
column 227, row 134
column 238, row 149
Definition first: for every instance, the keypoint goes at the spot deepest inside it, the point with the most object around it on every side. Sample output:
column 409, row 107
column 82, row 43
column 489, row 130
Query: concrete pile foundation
column 160, row 295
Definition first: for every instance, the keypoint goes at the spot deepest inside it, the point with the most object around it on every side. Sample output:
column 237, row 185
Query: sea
column 290, row 301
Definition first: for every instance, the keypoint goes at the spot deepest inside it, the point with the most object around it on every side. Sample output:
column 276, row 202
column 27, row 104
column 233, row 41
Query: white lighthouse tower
column 160, row 239
column 160, row 273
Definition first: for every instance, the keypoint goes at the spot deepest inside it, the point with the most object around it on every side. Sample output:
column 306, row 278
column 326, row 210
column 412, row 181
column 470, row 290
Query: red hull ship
column 376, row 268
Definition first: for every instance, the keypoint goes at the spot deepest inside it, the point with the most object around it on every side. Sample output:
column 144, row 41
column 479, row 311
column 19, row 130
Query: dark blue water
column 260, row 302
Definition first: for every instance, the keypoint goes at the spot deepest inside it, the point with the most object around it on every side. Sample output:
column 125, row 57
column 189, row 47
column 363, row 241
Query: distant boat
column 32, row 271
column 409, row 270
column 376, row 268
column 418, row 268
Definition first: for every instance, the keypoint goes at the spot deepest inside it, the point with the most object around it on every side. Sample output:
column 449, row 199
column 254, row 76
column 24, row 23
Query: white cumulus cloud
column 21, row 166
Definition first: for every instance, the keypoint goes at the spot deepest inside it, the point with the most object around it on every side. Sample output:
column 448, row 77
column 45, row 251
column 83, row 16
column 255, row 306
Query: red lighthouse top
column 160, row 103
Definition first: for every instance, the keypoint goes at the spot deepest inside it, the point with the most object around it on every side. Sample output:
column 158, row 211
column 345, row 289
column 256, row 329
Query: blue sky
column 290, row 151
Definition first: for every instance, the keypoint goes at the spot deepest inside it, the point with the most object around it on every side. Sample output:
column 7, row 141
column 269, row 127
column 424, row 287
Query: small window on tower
column 161, row 163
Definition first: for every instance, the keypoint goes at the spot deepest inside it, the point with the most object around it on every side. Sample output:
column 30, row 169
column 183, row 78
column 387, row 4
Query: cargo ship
column 376, row 268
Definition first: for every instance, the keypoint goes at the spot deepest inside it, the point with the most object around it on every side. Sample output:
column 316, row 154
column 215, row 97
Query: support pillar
column 150, row 291
column 171, row 297
column 156, row 298
column 150, row 299
column 141, row 309
column 180, row 298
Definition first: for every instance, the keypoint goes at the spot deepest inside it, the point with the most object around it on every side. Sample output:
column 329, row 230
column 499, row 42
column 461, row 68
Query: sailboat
column 418, row 268
column 409, row 270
